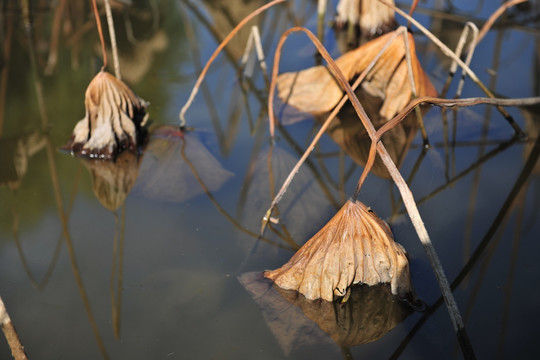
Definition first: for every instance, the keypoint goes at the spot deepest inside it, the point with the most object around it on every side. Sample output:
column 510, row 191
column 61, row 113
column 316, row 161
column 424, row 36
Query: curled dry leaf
column 315, row 90
column 372, row 16
column 113, row 121
column 354, row 247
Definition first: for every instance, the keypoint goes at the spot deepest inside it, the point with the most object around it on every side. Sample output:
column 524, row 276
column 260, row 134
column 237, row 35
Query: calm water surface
column 157, row 257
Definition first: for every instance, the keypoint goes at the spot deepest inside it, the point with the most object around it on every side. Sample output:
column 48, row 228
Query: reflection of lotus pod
column 315, row 90
column 354, row 247
column 113, row 120
column 112, row 181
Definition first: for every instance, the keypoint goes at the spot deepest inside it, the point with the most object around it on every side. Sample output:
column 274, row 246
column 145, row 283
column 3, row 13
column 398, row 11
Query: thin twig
column 216, row 52
column 489, row 23
column 17, row 350
column 408, row 199
column 100, row 32
column 112, row 34
column 330, row 117
column 464, row 66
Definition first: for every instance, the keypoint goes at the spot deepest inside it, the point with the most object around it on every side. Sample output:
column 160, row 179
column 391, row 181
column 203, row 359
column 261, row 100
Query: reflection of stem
column 219, row 207
column 196, row 55
column 118, row 254
column 44, row 281
column 71, row 251
column 6, row 53
column 316, row 176
column 250, row 169
column 56, row 187
column 55, row 35
column 406, row 194
column 511, row 272
column 481, row 149
column 462, row 174
column 516, row 189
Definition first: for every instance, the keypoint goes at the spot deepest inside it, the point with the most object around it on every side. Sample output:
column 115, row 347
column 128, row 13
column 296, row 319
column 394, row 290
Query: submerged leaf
column 176, row 166
column 113, row 121
column 368, row 314
column 315, row 90
column 354, row 247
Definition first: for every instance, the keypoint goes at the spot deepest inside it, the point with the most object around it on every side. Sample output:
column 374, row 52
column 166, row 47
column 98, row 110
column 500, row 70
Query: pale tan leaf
column 315, row 90
column 355, row 246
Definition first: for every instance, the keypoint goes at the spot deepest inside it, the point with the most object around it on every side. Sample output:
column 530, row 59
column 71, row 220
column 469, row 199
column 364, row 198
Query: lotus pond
column 158, row 255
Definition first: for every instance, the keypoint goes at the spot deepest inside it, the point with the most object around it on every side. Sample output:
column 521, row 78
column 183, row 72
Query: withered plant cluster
column 355, row 246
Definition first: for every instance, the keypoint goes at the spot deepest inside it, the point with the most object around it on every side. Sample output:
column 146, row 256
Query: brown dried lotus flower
column 315, row 90
column 372, row 16
column 354, row 247
column 113, row 121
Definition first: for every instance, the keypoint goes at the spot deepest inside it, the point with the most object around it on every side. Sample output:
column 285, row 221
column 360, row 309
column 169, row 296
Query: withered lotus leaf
column 354, row 247
column 314, row 90
column 113, row 120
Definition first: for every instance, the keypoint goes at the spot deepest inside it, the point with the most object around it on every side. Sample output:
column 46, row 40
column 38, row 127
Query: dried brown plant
column 113, row 121
column 315, row 90
column 354, row 247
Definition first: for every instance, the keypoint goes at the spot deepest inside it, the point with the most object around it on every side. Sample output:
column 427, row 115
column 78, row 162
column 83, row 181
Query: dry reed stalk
column 17, row 350
column 182, row 114
column 465, row 67
column 112, row 34
column 408, row 199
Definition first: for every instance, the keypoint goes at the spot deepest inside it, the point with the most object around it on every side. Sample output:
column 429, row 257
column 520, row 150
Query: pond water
column 159, row 257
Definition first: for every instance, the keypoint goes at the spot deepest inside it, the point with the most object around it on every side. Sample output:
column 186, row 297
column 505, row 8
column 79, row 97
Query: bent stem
column 112, row 34
column 326, row 123
column 408, row 199
column 216, row 52
column 100, row 32
column 56, row 187
column 464, row 66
